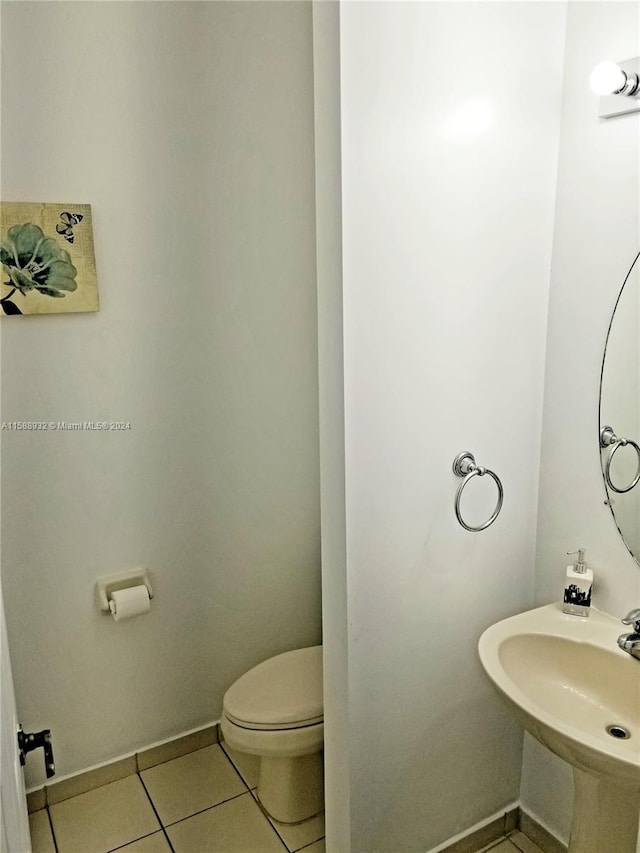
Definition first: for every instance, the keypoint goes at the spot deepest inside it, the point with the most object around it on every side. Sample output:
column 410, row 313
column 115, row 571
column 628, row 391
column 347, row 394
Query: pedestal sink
column 577, row 693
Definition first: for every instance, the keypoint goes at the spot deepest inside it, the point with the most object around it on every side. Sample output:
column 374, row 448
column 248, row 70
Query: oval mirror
column 620, row 411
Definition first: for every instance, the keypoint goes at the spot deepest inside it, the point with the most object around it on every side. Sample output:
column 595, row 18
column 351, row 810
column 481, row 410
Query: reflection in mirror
column 620, row 411
column 614, row 442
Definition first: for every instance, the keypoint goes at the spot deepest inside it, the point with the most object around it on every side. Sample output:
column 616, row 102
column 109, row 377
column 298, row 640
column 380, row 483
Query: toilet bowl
column 275, row 711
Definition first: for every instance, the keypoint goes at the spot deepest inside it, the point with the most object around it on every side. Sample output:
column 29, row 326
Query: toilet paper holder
column 105, row 586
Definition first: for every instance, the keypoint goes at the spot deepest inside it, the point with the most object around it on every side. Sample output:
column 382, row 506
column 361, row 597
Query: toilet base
column 291, row 790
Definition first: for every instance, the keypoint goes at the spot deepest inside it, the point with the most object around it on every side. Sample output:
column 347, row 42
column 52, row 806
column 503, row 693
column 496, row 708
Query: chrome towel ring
column 464, row 465
column 608, row 438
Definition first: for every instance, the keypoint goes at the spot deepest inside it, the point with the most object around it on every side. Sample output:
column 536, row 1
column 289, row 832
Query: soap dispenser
column 577, row 588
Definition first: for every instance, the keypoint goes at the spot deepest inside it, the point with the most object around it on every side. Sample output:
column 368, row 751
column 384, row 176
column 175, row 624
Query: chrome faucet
column 631, row 642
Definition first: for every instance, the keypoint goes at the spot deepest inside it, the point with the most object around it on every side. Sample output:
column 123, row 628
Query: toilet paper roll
column 126, row 603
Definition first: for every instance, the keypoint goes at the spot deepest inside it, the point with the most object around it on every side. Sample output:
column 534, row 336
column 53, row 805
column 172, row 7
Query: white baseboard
column 492, row 828
column 72, row 784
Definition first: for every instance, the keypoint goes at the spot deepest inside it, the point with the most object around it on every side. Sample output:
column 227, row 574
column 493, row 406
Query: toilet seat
column 303, row 740
column 279, row 694
column 272, row 727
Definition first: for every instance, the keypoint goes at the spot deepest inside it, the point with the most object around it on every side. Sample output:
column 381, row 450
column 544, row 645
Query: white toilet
column 276, row 711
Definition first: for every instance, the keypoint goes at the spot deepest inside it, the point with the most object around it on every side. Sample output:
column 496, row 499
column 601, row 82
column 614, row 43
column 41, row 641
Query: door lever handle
column 28, row 741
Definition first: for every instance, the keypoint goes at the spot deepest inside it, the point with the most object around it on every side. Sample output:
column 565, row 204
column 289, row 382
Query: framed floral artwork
column 48, row 259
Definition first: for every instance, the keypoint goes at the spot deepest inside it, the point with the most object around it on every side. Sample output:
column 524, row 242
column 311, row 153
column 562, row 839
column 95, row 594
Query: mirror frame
column 608, row 500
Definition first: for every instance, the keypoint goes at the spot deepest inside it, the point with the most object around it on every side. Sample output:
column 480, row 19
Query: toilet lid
column 282, row 692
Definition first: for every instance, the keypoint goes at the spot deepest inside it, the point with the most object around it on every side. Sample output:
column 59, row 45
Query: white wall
column 335, row 615
column 189, row 128
column 448, row 182
column 595, row 242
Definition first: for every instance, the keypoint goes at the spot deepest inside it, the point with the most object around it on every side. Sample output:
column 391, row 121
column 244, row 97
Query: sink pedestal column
column 605, row 815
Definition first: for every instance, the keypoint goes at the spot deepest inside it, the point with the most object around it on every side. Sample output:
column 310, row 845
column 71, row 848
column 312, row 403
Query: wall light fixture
column 608, row 78
column 618, row 84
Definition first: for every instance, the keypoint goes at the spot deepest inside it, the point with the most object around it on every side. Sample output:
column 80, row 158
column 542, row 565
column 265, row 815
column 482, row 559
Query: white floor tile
column 155, row 843
column 105, row 818
column 299, row 835
column 237, row 826
column 503, row 847
column 316, row 847
column 191, row 783
column 524, row 844
column 40, row 829
column 248, row 766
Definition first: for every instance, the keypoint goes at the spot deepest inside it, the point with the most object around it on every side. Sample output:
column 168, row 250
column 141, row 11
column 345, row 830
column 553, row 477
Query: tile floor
column 202, row 802
column 515, row 843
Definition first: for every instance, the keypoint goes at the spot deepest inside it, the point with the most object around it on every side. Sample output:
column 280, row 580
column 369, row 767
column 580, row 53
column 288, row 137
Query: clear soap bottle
column 577, row 588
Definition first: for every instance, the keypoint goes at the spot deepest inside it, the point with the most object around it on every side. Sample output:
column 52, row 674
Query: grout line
column 270, row 822
column 155, row 813
column 273, row 824
column 230, row 760
column 248, row 791
column 309, row 844
column 517, row 846
column 207, row 809
column 493, row 844
column 135, row 841
column 53, row 834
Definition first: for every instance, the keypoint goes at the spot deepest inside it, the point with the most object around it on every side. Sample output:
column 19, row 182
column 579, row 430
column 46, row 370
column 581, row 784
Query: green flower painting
column 47, row 258
column 34, row 262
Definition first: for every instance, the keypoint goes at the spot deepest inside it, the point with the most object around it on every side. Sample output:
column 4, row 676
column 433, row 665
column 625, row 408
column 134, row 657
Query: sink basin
column 576, row 692
column 568, row 681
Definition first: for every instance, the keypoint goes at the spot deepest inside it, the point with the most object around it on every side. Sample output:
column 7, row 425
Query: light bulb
column 607, row 78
